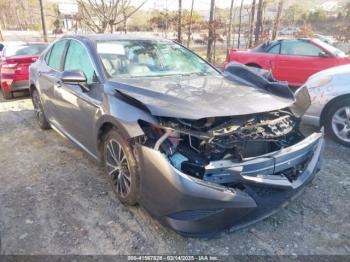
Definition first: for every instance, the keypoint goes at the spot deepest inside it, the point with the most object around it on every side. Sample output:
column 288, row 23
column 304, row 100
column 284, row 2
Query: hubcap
column 341, row 123
column 117, row 167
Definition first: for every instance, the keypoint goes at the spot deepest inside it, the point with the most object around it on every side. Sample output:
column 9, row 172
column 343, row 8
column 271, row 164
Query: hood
column 337, row 70
column 196, row 97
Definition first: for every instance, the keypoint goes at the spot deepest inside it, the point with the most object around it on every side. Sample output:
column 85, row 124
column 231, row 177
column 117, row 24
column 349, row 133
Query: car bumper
column 196, row 207
column 13, row 86
column 311, row 120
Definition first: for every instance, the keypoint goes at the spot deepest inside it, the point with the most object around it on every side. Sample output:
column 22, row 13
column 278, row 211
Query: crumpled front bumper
column 197, row 207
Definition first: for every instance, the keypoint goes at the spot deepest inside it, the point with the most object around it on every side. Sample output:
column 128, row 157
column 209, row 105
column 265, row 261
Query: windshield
column 22, row 50
column 331, row 48
column 142, row 58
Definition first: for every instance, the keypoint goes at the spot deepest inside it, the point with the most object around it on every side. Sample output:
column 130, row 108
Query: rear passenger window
column 275, row 49
column 56, row 54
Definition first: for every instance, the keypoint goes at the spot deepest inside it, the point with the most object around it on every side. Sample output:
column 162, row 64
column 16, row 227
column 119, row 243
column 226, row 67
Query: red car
column 14, row 64
column 291, row 60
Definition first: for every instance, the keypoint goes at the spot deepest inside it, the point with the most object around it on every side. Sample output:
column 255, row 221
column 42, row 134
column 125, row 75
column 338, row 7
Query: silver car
column 330, row 106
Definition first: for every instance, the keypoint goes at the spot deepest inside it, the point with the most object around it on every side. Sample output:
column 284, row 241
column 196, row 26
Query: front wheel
column 120, row 167
column 338, row 122
column 38, row 110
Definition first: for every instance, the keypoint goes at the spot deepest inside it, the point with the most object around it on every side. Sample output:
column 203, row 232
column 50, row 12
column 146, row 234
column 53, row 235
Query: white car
column 330, row 102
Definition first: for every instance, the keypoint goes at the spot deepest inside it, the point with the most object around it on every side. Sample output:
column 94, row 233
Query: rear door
column 77, row 109
column 300, row 59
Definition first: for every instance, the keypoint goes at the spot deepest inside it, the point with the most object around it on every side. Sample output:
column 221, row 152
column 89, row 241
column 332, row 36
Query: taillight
column 8, row 68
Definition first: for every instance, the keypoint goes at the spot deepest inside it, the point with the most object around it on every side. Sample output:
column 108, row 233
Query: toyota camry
column 200, row 150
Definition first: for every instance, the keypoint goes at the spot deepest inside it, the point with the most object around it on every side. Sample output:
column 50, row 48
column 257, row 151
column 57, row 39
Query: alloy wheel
column 118, row 168
column 341, row 123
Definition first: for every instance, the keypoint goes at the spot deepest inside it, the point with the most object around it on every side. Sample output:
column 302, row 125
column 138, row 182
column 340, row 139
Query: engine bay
column 190, row 145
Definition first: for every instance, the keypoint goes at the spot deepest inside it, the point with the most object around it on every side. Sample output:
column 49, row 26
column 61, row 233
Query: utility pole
column 43, row 24
column 190, row 26
column 179, row 25
column 211, row 31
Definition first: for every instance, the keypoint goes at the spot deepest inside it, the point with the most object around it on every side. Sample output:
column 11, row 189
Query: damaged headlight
column 302, row 102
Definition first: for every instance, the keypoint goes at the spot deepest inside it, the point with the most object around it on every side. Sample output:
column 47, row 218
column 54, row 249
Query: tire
column 337, row 122
column 39, row 111
column 125, row 180
column 6, row 95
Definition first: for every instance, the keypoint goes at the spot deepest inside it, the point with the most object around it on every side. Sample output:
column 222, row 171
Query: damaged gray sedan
column 202, row 151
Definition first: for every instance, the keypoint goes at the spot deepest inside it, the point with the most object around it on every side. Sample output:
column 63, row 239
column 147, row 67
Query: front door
column 77, row 108
column 298, row 60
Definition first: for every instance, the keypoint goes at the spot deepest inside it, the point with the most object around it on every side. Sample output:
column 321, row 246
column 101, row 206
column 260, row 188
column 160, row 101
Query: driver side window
column 77, row 58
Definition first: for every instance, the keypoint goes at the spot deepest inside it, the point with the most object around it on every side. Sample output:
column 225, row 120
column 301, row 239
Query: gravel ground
column 55, row 200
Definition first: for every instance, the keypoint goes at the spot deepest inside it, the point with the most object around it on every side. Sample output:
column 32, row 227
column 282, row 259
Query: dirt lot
column 56, row 200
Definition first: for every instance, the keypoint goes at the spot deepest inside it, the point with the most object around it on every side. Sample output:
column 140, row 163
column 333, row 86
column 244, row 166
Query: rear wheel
column 39, row 111
column 6, row 95
column 120, row 167
column 338, row 121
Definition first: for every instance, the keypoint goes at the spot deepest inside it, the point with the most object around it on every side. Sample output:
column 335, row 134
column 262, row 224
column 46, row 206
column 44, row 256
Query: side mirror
column 75, row 77
column 324, row 54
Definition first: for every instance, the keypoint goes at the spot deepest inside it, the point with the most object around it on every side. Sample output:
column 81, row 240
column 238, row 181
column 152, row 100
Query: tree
column 318, row 15
column 277, row 20
column 179, row 23
column 190, row 25
column 251, row 24
column 259, row 22
column 1, row 37
column 240, row 24
column 99, row 14
column 294, row 13
column 229, row 32
column 211, row 31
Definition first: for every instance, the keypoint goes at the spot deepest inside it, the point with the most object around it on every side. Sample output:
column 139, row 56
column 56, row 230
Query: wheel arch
column 330, row 103
column 108, row 122
column 253, row 65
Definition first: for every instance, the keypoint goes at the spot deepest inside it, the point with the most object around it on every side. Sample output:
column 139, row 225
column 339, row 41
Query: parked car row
column 15, row 59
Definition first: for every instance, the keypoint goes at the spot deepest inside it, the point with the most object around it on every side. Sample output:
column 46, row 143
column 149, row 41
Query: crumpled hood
column 196, row 97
